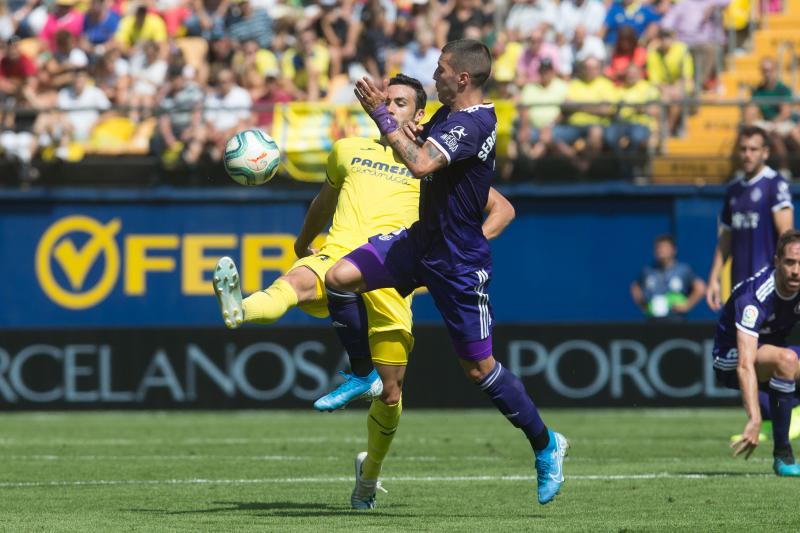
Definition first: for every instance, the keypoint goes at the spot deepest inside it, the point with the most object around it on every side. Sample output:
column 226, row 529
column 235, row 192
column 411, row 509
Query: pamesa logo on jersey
column 79, row 260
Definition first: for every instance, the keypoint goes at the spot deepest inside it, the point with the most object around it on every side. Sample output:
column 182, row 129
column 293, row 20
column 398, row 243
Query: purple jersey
column 756, row 308
column 452, row 199
column 747, row 213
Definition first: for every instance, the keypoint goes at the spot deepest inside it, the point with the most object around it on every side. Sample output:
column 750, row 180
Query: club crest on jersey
column 675, row 284
column 797, row 309
column 749, row 316
column 755, row 195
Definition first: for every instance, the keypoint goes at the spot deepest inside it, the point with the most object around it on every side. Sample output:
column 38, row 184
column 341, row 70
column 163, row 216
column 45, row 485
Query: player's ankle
column 784, row 453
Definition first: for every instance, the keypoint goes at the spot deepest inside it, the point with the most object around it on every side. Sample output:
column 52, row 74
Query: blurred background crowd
column 596, row 86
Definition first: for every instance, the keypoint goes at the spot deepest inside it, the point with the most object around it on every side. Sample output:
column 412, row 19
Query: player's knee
column 343, row 276
column 392, row 392
column 474, row 374
column 787, row 362
column 334, row 278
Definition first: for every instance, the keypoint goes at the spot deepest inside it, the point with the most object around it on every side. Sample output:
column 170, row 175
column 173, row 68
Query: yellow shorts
column 386, row 309
column 391, row 347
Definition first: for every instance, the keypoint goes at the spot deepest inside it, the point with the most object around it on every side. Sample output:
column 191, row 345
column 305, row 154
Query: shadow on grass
column 308, row 509
column 284, row 509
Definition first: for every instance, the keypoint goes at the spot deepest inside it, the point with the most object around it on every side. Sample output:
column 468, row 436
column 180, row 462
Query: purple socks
column 509, row 396
column 349, row 318
column 781, row 401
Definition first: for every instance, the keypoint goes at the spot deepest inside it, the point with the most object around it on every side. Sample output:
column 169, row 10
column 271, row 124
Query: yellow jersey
column 378, row 194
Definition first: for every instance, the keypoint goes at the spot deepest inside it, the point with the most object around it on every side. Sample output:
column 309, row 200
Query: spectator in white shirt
column 528, row 15
column 573, row 13
column 79, row 110
column 228, row 110
column 581, row 47
column 148, row 73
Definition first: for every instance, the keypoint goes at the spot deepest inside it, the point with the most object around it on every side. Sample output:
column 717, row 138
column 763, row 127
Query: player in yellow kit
column 368, row 191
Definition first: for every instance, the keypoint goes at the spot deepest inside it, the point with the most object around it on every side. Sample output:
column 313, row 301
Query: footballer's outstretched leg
column 227, row 288
column 508, row 394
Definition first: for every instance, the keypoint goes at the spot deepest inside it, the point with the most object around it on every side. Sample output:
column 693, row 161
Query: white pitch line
column 275, row 458
column 348, row 479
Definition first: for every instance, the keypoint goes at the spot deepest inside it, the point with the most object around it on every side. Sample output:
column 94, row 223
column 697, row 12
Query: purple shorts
column 392, row 260
column 725, row 360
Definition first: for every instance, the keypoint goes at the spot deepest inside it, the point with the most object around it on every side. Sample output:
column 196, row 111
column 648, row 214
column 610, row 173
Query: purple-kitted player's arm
column 782, row 207
column 747, row 346
column 420, row 160
column 499, row 214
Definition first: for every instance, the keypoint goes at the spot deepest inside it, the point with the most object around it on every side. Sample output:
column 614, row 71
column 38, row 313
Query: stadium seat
column 120, row 136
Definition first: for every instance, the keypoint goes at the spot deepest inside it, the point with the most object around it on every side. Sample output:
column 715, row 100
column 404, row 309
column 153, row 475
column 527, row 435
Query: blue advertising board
column 116, row 258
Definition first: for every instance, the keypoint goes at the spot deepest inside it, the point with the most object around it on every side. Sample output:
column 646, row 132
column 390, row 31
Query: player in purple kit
column 757, row 209
column 751, row 351
column 445, row 250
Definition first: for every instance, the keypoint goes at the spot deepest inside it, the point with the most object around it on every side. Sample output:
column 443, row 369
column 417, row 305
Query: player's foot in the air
column 363, row 496
column 229, row 292
column 368, row 387
column 550, row 467
column 783, row 469
column 766, row 431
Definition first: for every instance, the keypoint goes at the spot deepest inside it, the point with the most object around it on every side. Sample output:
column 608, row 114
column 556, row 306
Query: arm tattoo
column 436, row 155
column 405, row 147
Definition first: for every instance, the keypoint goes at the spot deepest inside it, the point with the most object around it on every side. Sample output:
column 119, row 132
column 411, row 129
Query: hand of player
column 713, row 298
column 304, row 251
column 749, row 441
column 369, row 94
column 412, row 131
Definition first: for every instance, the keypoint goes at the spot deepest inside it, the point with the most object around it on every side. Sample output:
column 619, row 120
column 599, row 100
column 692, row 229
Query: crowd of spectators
column 585, row 73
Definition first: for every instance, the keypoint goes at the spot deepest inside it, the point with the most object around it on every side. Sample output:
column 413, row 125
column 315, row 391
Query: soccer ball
column 251, row 157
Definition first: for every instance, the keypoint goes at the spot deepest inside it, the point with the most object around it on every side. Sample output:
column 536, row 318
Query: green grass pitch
column 627, row 470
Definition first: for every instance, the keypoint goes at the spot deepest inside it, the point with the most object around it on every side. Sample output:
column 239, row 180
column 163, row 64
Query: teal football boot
column 550, row 467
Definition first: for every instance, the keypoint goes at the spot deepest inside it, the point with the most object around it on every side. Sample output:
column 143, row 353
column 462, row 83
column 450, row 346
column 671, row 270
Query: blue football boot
column 785, row 470
column 229, row 292
column 550, row 467
column 354, row 387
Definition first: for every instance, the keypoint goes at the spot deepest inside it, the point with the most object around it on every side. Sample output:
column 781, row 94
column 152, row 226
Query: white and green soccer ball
column 252, row 157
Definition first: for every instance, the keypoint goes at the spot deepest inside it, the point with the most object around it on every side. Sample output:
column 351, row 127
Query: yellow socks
column 267, row 306
column 382, row 423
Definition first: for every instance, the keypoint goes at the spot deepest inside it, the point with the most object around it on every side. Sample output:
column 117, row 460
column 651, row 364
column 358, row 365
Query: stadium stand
column 299, row 72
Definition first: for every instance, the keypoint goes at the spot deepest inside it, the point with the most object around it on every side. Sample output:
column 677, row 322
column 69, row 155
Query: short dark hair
column 751, row 131
column 787, row 237
column 414, row 83
column 471, row 56
column 665, row 237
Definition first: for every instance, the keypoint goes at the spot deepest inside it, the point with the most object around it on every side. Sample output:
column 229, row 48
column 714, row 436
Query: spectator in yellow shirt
column 305, row 67
column 670, row 68
column 636, row 121
column 139, row 27
column 588, row 107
